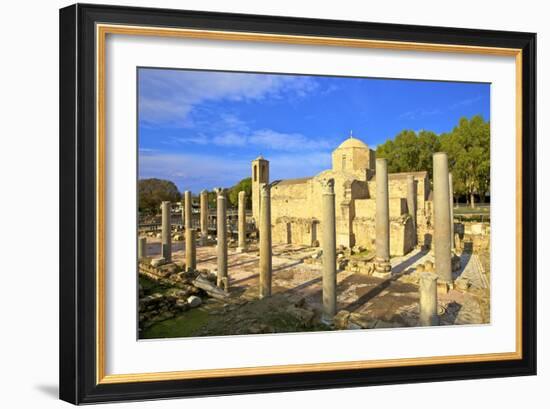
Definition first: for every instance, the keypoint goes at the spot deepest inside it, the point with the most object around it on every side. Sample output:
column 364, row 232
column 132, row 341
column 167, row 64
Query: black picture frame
column 78, row 258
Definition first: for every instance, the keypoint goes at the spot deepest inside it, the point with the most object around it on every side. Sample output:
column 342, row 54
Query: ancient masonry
column 296, row 204
column 356, row 203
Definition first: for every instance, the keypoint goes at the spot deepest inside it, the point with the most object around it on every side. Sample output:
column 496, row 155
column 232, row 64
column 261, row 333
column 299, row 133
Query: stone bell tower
column 260, row 177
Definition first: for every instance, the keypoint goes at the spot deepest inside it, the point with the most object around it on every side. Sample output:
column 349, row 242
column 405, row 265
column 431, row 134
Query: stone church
column 296, row 203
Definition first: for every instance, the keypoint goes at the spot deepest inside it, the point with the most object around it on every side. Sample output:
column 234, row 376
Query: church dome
column 352, row 142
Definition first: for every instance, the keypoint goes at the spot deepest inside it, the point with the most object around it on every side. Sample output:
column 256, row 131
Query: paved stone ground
column 378, row 302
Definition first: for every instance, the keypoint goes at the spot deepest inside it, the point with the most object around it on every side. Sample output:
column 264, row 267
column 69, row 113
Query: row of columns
column 442, row 236
column 428, row 283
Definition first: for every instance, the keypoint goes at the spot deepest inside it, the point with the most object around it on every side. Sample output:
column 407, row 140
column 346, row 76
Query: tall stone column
column 382, row 260
column 428, row 299
column 166, row 232
column 451, row 209
column 142, row 247
column 442, row 214
column 188, row 211
column 411, row 203
column 221, row 248
column 242, row 221
column 329, row 250
column 265, row 242
column 204, row 216
column 190, row 250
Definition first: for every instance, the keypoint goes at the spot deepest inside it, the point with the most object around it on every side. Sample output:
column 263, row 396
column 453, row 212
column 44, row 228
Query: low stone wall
column 473, row 237
column 401, row 234
column 292, row 230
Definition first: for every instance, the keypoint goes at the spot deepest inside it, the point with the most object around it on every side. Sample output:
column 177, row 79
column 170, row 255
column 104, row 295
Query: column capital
column 220, row 191
column 327, row 186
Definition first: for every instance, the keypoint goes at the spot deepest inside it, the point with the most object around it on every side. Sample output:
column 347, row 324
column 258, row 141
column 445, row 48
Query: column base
column 327, row 320
column 382, row 268
column 241, row 250
column 223, row 283
column 444, row 287
column 381, row 274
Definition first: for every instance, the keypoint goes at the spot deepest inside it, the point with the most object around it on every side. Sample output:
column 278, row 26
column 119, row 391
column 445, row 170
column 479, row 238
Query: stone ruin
column 359, row 215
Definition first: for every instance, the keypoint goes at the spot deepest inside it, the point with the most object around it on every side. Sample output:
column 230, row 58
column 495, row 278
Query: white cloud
column 285, row 141
column 169, row 96
column 197, row 172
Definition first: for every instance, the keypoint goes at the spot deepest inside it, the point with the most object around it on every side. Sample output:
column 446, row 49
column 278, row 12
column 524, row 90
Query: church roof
column 352, row 142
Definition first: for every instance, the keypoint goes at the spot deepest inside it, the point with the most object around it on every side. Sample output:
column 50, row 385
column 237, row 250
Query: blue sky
column 201, row 129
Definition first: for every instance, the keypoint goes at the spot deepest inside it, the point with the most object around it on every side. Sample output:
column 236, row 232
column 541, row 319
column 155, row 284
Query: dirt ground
column 296, row 301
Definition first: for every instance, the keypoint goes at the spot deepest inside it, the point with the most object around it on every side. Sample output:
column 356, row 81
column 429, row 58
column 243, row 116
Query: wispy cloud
column 466, row 102
column 419, row 113
column 169, row 96
column 197, row 172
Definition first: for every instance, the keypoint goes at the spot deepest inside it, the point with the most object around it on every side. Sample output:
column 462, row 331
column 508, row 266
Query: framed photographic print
column 257, row 203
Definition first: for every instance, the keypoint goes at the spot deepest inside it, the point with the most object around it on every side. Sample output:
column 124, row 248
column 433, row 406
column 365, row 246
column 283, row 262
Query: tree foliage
column 467, row 146
column 410, row 151
column 153, row 191
column 233, row 193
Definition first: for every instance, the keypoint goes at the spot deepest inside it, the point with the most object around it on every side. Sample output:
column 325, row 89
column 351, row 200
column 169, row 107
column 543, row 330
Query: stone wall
column 473, row 236
column 295, row 203
column 401, row 234
column 293, row 230
column 366, row 208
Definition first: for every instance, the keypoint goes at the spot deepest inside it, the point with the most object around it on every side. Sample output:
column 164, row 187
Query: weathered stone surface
column 341, row 319
column 265, row 243
column 223, row 280
column 142, row 247
column 158, row 261
column 428, row 299
column 166, row 232
column 329, row 250
column 194, row 301
column 442, row 221
column 301, row 314
column 382, row 260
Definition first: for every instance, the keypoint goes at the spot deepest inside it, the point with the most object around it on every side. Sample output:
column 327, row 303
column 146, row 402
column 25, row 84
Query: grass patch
column 151, row 286
column 184, row 325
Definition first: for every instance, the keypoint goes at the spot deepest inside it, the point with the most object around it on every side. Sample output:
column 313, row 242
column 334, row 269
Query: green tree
column 153, row 191
column 233, row 193
column 410, row 151
column 468, row 148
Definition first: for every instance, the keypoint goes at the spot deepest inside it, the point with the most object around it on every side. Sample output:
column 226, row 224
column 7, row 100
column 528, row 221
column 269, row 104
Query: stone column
column 382, row 260
column 329, row 250
column 221, row 248
column 442, row 214
column 411, row 203
column 204, row 216
column 265, row 242
column 166, row 252
column 242, row 221
column 142, row 247
column 190, row 250
column 188, row 211
column 428, row 300
column 451, row 209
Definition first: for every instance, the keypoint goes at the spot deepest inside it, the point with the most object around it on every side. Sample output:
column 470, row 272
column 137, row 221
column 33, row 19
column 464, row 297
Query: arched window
column 343, row 162
column 255, row 173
